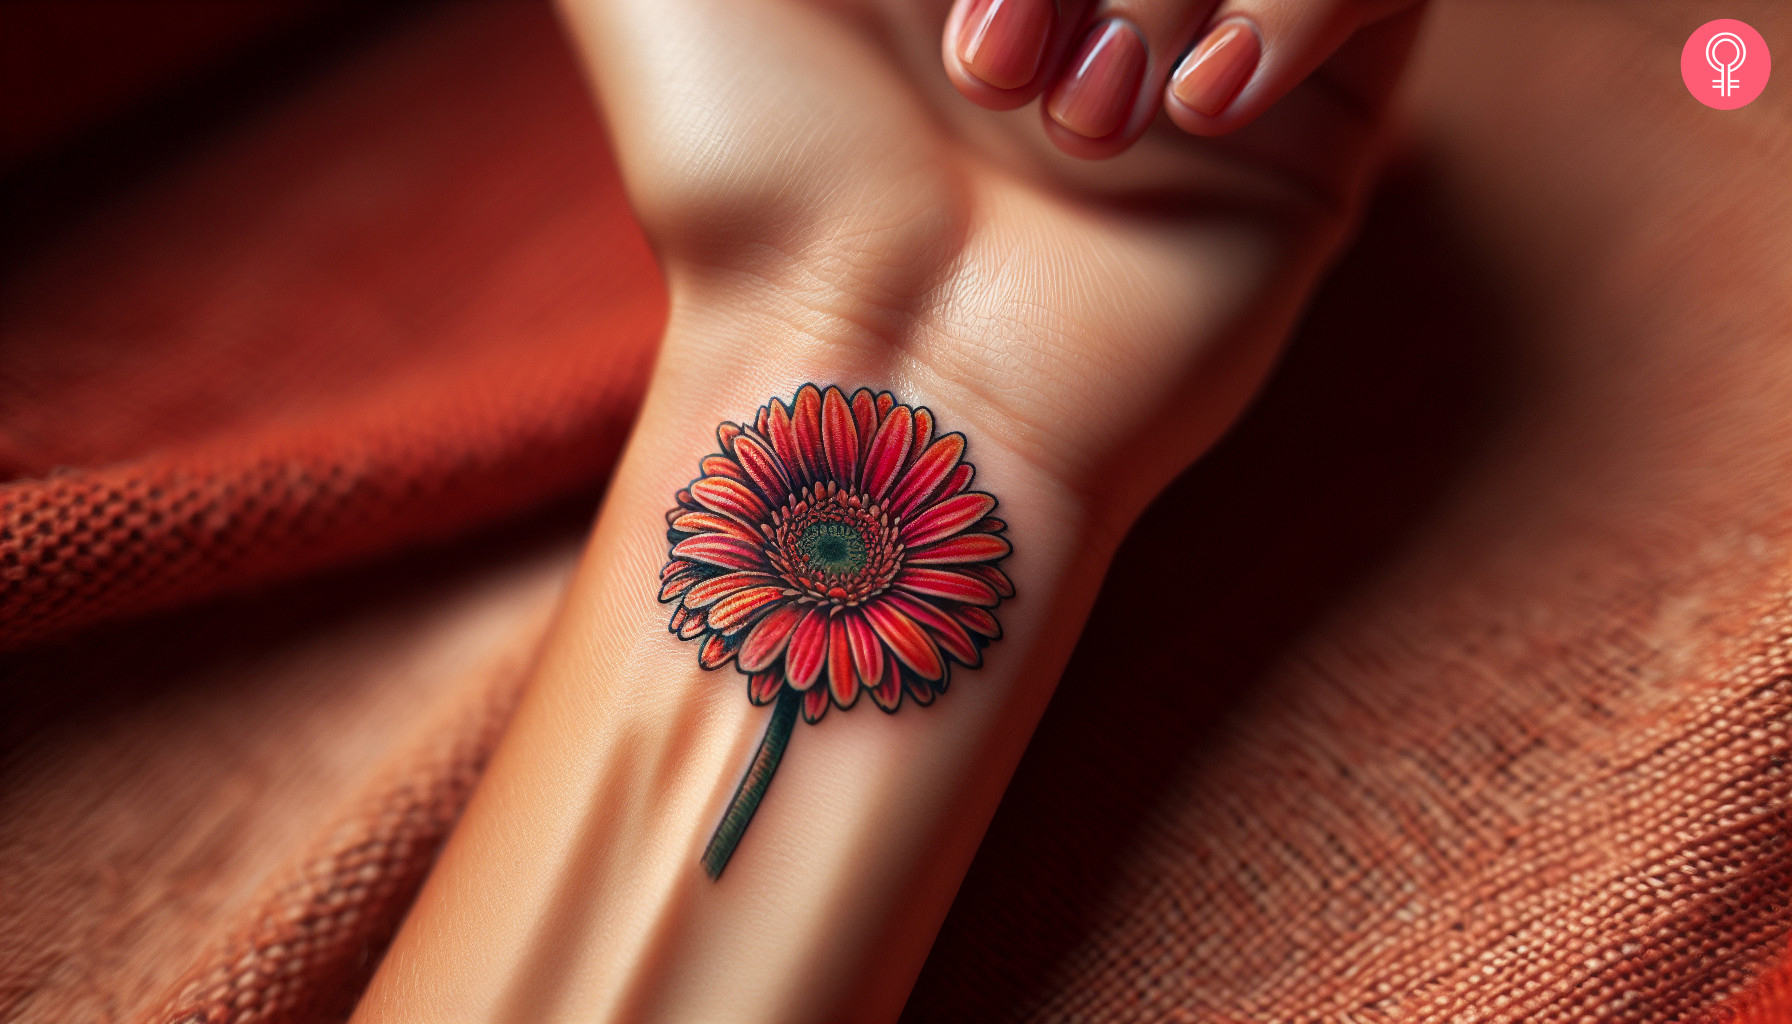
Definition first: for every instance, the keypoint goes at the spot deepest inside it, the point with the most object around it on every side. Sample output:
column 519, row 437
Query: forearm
column 574, row 887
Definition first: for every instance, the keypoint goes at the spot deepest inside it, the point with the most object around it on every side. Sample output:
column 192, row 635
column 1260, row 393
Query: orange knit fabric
column 205, row 423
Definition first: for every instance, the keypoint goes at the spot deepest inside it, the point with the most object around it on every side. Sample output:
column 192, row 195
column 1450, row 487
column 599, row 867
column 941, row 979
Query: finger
column 1000, row 53
column 1107, row 92
column 1254, row 52
column 1327, row 132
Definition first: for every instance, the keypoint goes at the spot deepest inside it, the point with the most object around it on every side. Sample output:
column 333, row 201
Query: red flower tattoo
column 832, row 548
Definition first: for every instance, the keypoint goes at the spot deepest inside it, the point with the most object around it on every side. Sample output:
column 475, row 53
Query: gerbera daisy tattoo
column 832, row 548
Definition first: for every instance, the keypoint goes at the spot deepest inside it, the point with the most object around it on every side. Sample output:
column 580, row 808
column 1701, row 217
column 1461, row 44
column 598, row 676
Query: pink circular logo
column 1725, row 64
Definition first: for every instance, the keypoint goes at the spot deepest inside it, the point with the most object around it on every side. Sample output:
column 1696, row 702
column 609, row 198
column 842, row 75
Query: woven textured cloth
column 327, row 360
column 1473, row 706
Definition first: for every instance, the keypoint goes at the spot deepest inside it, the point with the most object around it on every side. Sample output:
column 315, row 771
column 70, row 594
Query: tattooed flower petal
column 808, row 650
column 763, row 687
column 952, row 516
column 766, row 643
column 719, row 550
column 729, row 497
column 743, row 606
column 888, row 451
column 842, row 682
column 715, row 588
column 905, row 639
column 970, row 547
column 947, row 586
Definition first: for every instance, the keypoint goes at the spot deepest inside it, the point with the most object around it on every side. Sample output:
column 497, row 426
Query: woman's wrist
column 579, row 865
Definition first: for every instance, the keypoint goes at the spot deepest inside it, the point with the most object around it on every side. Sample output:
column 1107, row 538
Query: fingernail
column 1212, row 75
column 1096, row 94
column 1002, row 41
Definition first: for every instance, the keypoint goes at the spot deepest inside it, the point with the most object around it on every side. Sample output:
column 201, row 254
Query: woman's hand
column 828, row 207
column 808, row 168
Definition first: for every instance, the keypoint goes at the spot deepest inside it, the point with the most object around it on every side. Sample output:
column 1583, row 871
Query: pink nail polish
column 1101, row 83
column 1211, row 77
column 1002, row 41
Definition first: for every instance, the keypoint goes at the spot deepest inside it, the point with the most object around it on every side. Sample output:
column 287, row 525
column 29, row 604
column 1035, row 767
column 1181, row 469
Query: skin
column 828, row 205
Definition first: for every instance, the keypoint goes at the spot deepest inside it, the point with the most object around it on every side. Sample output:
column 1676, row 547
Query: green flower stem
column 753, row 784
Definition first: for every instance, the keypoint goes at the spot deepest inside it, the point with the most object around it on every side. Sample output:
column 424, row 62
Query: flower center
column 833, row 545
column 832, row 548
